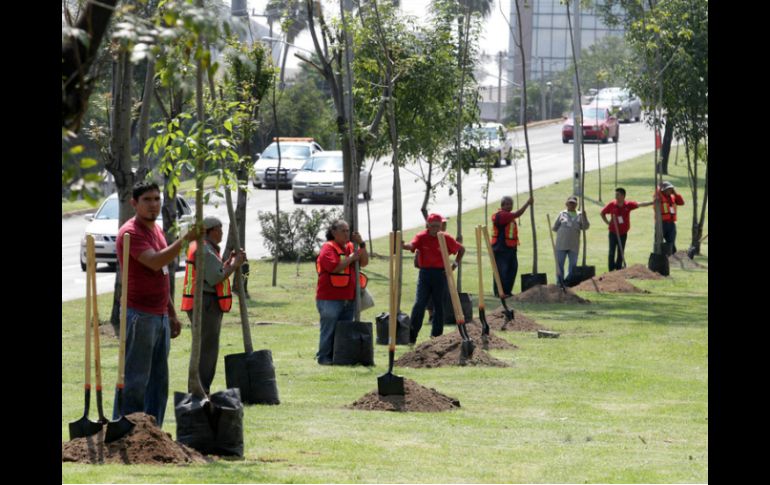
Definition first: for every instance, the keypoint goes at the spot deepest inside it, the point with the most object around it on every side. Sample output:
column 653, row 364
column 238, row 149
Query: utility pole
column 542, row 89
column 577, row 122
column 499, row 83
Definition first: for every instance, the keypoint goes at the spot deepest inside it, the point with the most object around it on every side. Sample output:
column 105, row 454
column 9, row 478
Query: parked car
column 322, row 177
column 488, row 140
column 103, row 226
column 295, row 152
column 598, row 124
column 622, row 103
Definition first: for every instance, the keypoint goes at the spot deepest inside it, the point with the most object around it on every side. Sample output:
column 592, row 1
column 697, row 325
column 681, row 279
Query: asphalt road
column 551, row 162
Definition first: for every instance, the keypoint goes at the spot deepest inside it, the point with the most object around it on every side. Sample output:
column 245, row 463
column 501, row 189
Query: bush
column 299, row 232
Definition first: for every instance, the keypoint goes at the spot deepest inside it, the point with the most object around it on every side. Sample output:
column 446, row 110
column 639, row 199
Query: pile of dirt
column 520, row 322
column 416, row 398
column 639, row 272
column 681, row 260
column 612, row 282
column 445, row 351
column 548, row 294
column 493, row 341
column 144, row 444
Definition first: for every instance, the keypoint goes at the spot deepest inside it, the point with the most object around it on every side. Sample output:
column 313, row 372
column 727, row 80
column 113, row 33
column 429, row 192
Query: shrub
column 299, row 232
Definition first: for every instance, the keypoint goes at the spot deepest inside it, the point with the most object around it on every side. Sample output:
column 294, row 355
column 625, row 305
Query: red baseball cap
column 435, row 218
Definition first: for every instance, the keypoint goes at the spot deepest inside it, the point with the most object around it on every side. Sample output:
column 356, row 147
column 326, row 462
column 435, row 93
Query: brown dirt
column 105, row 328
column 445, row 351
column 520, row 323
column 493, row 341
column 416, row 398
column 548, row 294
column 145, row 444
column 681, row 260
column 639, row 272
column 615, row 281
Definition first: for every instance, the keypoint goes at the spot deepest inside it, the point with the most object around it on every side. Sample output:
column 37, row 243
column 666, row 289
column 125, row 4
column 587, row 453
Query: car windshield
column 593, row 113
column 109, row 210
column 612, row 97
column 288, row 151
column 487, row 132
column 324, row 164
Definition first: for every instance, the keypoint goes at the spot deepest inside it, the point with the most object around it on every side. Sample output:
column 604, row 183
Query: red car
column 598, row 124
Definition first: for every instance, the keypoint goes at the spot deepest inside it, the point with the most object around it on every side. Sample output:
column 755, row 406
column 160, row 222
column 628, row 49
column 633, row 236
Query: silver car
column 294, row 153
column 621, row 102
column 322, row 177
column 103, row 226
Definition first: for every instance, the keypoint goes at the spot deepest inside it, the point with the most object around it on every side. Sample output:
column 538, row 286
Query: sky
column 494, row 37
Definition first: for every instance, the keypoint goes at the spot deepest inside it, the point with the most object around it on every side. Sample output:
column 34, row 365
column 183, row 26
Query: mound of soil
column 638, row 272
column 548, row 294
column 416, row 398
column 445, row 351
column 493, row 341
column 145, row 444
column 520, row 322
column 612, row 282
column 681, row 260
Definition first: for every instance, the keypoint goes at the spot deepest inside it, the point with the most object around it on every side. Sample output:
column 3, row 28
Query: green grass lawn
column 620, row 397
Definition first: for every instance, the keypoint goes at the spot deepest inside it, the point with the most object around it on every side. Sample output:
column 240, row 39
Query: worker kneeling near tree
column 217, row 295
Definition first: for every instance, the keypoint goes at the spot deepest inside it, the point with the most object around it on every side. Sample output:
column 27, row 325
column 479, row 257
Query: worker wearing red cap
column 431, row 281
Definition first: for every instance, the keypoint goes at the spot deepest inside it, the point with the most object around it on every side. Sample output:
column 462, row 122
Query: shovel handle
column 95, row 321
column 123, row 308
column 553, row 246
column 89, row 277
column 492, row 260
column 459, row 316
column 392, row 293
column 481, row 272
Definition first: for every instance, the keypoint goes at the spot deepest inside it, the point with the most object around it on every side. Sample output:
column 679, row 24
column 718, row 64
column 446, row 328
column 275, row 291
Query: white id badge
column 620, row 219
column 164, row 269
column 671, row 209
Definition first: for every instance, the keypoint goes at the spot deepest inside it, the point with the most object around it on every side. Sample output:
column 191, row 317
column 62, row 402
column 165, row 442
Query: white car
column 322, row 177
column 103, row 226
column 489, row 139
column 621, row 102
column 294, row 153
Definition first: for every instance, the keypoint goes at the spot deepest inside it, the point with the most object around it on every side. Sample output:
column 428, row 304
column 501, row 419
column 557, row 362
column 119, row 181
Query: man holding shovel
column 217, row 296
column 335, row 293
column 619, row 225
column 151, row 320
column 431, row 281
column 505, row 239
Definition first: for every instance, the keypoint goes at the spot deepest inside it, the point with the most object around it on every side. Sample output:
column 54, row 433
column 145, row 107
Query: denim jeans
column 669, row 237
column 561, row 255
column 148, row 340
column 615, row 261
column 331, row 311
column 507, row 265
column 211, row 327
column 431, row 282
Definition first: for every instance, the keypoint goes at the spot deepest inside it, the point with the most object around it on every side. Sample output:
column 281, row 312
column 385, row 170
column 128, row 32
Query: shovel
column 508, row 313
column 466, row 349
column 389, row 383
column 559, row 275
column 482, row 309
column 121, row 426
column 691, row 251
column 97, row 346
column 85, row 427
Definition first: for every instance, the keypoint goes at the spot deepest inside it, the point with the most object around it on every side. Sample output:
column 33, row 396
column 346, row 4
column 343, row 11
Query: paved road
column 551, row 162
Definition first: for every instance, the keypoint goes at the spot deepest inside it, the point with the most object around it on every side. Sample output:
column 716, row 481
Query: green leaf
column 229, row 125
column 88, row 163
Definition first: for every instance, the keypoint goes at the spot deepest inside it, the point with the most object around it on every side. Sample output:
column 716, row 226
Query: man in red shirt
column 336, row 283
column 619, row 225
column 151, row 320
column 431, row 281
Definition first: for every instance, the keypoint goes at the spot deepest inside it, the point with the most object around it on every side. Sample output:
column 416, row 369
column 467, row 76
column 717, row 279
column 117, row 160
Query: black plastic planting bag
column 353, row 343
column 254, row 375
column 382, row 321
column 213, row 425
column 466, row 304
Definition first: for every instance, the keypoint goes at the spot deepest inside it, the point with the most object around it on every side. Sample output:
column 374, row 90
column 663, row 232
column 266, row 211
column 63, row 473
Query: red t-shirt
column 430, row 251
column 148, row 290
column 328, row 259
column 623, row 215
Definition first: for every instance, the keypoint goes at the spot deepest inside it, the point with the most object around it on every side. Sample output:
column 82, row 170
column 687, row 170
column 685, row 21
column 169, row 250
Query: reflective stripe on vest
column 224, row 293
column 511, row 232
column 668, row 209
column 340, row 280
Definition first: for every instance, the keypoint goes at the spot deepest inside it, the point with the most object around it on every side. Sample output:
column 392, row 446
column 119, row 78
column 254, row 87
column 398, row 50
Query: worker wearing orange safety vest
column 217, row 296
column 505, row 238
column 669, row 199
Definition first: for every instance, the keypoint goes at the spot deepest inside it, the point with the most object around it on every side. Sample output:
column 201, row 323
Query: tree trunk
column 665, row 149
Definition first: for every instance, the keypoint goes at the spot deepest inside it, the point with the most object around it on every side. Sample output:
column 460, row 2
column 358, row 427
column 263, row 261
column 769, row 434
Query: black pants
column 507, row 265
column 615, row 259
column 430, row 282
column 211, row 326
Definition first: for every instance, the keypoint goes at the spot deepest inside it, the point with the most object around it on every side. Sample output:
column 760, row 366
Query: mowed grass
column 620, row 397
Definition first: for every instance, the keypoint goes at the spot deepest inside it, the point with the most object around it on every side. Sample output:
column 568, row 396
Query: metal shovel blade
column 84, row 427
column 466, row 349
column 118, row 429
column 390, row 384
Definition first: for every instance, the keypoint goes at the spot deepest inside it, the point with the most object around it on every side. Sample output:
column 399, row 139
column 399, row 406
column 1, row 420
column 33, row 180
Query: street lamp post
column 550, row 99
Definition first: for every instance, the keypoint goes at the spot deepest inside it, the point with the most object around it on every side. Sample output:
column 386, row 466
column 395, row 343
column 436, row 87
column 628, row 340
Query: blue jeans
column 431, row 282
column 507, row 265
column 669, row 237
column 616, row 262
column 561, row 255
column 148, row 340
column 331, row 311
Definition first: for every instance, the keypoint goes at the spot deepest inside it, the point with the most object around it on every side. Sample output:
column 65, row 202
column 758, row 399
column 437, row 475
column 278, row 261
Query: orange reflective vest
column 511, row 232
column 340, row 280
column 224, row 295
column 667, row 208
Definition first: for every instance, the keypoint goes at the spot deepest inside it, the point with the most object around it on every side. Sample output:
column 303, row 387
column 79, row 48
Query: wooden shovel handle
column 89, row 277
column 123, row 308
column 553, row 245
column 492, row 260
column 478, row 263
column 459, row 316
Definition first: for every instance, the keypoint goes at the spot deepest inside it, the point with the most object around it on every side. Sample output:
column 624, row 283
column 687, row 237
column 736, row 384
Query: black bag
column 213, row 426
column 533, row 279
column 449, row 312
column 403, row 326
column 579, row 275
column 659, row 264
column 254, row 375
column 353, row 343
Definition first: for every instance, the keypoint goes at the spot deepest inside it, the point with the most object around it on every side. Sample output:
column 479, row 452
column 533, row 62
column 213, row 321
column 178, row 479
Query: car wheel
column 112, row 266
column 617, row 136
column 83, row 266
column 297, row 200
column 638, row 118
column 497, row 163
column 368, row 193
column 564, row 140
column 606, row 137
